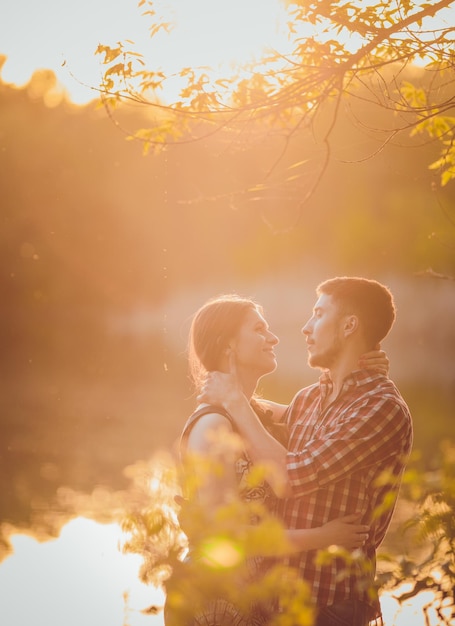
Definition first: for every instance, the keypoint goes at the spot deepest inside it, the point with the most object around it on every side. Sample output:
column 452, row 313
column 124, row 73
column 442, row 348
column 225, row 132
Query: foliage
column 220, row 553
column 223, row 545
column 342, row 53
column 152, row 527
column 235, row 550
column 432, row 528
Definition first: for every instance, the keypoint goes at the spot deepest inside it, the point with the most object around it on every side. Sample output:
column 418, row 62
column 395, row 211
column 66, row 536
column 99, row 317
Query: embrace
column 344, row 434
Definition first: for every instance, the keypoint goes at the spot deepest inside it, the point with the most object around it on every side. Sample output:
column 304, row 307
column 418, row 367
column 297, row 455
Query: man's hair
column 371, row 301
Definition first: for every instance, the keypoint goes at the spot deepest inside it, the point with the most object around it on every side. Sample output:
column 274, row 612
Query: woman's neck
column 247, row 380
column 248, row 383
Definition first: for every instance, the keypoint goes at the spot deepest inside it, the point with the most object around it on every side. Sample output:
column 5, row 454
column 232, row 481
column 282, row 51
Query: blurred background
column 106, row 253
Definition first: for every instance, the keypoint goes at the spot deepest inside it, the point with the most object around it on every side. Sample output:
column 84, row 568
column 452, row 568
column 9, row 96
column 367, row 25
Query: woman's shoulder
column 204, row 419
column 208, row 414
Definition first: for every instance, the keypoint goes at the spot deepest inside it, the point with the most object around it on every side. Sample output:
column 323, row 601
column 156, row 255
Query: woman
column 224, row 328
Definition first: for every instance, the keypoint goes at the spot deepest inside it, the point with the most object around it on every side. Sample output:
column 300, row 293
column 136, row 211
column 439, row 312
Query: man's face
column 323, row 334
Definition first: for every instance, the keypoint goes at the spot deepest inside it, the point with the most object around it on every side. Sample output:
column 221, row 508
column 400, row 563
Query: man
column 350, row 437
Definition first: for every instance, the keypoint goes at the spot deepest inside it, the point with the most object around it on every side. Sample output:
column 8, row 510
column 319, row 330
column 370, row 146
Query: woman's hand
column 376, row 360
column 345, row 532
column 221, row 388
column 218, row 389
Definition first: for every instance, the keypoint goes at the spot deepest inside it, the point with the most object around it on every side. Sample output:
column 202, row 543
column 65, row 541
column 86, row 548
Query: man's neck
column 338, row 372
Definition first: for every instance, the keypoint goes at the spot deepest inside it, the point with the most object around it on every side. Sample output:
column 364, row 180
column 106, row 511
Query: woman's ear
column 231, row 346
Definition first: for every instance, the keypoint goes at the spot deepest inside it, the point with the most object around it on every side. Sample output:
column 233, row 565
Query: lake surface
column 82, row 579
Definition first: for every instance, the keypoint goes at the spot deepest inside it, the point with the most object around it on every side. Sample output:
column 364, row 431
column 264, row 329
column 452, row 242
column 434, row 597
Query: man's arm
column 363, row 439
column 372, row 431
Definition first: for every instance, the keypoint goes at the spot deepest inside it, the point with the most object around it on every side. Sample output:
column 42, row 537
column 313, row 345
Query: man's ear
column 351, row 324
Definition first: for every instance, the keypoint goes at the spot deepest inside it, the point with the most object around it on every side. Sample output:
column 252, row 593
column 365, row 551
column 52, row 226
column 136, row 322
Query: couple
column 348, row 436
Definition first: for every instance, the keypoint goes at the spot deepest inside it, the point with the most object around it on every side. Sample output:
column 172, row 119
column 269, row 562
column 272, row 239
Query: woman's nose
column 273, row 339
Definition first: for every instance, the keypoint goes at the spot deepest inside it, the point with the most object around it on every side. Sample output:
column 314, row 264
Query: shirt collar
column 357, row 378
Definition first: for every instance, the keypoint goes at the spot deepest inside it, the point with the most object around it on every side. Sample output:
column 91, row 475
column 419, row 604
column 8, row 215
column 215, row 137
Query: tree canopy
column 343, row 56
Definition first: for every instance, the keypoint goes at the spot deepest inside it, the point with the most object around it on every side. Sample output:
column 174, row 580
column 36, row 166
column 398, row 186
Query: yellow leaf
column 109, row 53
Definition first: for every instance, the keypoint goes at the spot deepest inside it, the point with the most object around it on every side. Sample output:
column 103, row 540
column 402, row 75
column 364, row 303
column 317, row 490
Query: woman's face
column 254, row 345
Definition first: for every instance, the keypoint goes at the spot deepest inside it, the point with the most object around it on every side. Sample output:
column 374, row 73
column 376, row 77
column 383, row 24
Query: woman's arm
column 264, row 449
column 376, row 360
column 224, row 389
column 344, row 532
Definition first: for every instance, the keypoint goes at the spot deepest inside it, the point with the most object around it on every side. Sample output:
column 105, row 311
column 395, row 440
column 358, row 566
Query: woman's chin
column 270, row 369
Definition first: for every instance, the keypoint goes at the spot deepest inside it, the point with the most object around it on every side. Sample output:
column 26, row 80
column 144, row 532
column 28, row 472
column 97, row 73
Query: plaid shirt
column 335, row 458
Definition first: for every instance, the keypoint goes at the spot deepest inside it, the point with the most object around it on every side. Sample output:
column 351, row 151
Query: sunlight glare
column 220, row 553
column 79, row 578
column 410, row 611
column 213, row 32
column 63, row 36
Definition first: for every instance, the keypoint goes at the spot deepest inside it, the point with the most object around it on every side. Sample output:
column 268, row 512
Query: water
column 82, row 578
column 79, row 579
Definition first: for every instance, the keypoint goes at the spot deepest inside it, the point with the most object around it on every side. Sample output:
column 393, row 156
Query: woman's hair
column 213, row 326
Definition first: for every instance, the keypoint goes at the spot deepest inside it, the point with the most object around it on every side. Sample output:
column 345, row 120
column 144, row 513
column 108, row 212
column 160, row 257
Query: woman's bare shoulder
column 199, row 438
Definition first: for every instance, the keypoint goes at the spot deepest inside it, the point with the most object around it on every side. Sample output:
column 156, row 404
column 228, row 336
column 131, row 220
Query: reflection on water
column 417, row 611
column 80, row 579
column 83, row 579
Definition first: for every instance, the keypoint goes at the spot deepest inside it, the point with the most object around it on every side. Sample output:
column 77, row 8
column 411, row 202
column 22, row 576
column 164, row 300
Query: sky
column 42, row 35
column 63, row 35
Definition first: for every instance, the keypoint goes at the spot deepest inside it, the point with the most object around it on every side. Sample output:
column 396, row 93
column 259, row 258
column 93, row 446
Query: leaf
column 118, row 69
column 447, row 176
column 110, row 54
